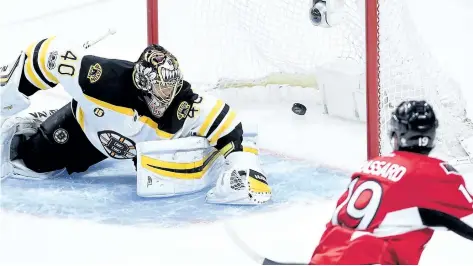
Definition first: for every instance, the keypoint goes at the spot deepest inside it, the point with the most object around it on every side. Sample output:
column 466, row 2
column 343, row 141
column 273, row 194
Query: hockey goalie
column 144, row 111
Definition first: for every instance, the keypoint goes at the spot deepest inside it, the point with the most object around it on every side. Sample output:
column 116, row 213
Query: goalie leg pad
column 175, row 167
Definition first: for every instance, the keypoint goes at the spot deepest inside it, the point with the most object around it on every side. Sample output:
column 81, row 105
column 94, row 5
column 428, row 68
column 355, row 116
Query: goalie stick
column 90, row 43
column 252, row 254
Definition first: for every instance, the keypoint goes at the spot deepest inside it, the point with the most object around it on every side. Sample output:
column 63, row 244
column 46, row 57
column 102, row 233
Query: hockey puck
column 299, row 108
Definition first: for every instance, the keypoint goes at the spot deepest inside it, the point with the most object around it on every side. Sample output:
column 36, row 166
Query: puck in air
column 299, row 109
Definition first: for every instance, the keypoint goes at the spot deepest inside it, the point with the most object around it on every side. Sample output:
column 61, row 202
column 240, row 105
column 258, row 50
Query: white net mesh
column 408, row 71
column 237, row 43
column 254, row 40
column 249, row 42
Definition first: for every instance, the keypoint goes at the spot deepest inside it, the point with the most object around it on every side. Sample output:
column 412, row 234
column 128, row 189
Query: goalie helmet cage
column 378, row 35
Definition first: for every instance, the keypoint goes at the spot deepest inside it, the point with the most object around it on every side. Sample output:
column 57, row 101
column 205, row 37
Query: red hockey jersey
column 390, row 208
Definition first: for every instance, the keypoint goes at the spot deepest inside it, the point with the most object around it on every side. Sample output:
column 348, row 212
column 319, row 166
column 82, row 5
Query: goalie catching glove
column 242, row 183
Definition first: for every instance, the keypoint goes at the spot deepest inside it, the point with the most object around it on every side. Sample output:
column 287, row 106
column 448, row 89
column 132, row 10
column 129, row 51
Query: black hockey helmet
column 413, row 126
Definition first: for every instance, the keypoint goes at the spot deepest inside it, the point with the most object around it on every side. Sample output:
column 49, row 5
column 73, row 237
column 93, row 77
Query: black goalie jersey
column 108, row 108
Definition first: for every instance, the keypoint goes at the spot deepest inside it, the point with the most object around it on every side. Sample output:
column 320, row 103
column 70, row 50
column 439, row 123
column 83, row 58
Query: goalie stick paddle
column 252, row 254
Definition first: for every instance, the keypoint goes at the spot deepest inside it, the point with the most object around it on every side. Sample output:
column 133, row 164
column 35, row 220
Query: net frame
column 378, row 102
column 372, row 68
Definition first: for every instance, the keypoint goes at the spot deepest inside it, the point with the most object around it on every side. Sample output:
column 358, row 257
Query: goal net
column 249, row 43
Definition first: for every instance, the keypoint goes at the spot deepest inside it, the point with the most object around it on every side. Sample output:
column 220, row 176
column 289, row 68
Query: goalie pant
column 59, row 143
column 390, row 209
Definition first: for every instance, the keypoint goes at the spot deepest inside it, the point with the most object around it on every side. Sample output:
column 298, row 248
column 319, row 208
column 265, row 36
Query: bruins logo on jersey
column 95, row 72
column 116, row 145
column 183, row 110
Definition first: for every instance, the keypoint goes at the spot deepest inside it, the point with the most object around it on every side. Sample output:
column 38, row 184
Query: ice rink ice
column 96, row 218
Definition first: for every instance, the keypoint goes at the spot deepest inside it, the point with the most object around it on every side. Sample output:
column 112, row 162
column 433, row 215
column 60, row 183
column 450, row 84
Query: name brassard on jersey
column 391, row 171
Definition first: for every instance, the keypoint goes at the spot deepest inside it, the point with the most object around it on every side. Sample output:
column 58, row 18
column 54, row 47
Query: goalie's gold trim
column 228, row 121
column 210, row 118
column 250, row 150
column 42, row 59
column 151, row 123
column 128, row 111
column 80, row 118
column 227, row 149
column 193, row 170
column 116, row 108
column 258, row 186
column 30, row 73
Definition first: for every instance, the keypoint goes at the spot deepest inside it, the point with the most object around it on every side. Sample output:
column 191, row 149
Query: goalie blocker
column 183, row 166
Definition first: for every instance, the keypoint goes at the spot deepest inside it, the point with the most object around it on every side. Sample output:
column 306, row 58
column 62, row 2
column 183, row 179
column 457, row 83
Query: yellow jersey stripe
column 42, row 60
column 30, row 74
column 128, row 111
column 116, row 108
column 228, row 121
column 80, row 118
column 210, row 118
column 154, row 125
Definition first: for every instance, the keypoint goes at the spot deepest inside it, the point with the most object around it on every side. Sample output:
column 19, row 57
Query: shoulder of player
column 210, row 109
column 208, row 113
column 108, row 80
column 433, row 168
column 413, row 157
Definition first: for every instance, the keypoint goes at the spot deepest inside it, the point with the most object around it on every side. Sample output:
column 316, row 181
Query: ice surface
column 96, row 219
column 107, row 194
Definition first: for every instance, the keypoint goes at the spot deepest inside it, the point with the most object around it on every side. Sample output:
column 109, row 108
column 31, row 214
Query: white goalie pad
column 6, row 138
column 12, row 101
column 176, row 167
column 15, row 168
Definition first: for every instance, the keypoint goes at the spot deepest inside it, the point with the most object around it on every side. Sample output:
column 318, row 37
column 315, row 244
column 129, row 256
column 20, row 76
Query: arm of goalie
column 12, row 100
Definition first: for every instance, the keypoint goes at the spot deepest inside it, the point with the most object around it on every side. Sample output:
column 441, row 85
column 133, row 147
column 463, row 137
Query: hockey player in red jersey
column 393, row 202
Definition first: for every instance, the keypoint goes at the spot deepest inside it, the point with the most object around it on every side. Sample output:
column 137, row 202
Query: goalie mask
column 157, row 75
